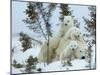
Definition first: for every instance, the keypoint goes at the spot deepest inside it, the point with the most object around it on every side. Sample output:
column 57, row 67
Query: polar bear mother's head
column 68, row 20
column 67, row 23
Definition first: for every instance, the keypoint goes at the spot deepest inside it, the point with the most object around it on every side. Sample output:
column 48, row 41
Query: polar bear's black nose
column 72, row 48
column 65, row 24
column 83, row 57
column 78, row 36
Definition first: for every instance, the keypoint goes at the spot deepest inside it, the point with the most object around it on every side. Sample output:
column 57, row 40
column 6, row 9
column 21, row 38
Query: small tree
column 37, row 16
column 90, row 26
column 31, row 64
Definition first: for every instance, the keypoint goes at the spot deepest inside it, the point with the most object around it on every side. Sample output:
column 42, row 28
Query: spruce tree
column 90, row 26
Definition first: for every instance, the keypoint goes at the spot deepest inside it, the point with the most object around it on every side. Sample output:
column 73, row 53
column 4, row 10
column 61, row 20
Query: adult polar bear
column 54, row 41
column 72, row 34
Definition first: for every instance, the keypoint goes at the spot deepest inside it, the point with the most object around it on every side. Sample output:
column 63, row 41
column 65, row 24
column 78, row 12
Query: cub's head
column 78, row 34
column 68, row 20
column 73, row 45
column 82, row 53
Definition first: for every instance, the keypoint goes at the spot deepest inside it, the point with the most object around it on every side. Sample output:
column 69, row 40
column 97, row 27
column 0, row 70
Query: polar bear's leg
column 63, row 63
column 62, row 59
column 69, row 62
column 66, row 62
column 43, row 53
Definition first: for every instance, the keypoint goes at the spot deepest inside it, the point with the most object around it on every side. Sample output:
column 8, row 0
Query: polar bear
column 47, row 51
column 54, row 40
column 72, row 34
column 82, row 51
column 68, row 53
column 66, row 25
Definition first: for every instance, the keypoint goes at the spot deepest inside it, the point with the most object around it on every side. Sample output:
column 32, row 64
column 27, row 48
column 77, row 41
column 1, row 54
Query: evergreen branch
column 41, row 28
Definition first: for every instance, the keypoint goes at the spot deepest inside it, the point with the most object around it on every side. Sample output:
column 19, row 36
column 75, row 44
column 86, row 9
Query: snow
column 57, row 66
column 23, row 56
column 93, row 54
column 14, row 71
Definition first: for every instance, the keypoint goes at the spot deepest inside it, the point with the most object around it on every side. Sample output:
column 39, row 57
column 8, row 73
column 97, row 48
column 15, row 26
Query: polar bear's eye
column 71, row 45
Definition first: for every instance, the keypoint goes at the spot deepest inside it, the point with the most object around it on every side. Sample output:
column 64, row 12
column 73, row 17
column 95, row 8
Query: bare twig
column 36, row 40
column 41, row 28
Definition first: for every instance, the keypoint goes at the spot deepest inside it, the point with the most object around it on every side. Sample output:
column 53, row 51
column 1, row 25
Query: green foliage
column 91, row 28
column 91, row 23
column 31, row 60
column 30, row 11
column 65, row 11
column 25, row 41
column 31, row 64
column 17, row 65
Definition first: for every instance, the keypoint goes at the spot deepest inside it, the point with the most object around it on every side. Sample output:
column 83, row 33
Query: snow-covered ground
column 21, row 57
column 18, row 26
column 57, row 66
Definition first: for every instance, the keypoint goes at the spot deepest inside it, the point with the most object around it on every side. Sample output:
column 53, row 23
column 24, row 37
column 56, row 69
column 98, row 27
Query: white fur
column 68, row 52
column 54, row 41
column 82, row 50
column 72, row 34
column 66, row 25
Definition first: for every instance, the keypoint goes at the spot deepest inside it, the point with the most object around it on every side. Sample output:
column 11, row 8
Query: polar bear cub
column 68, row 52
column 82, row 51
column 72, row 34
column 54, row 41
